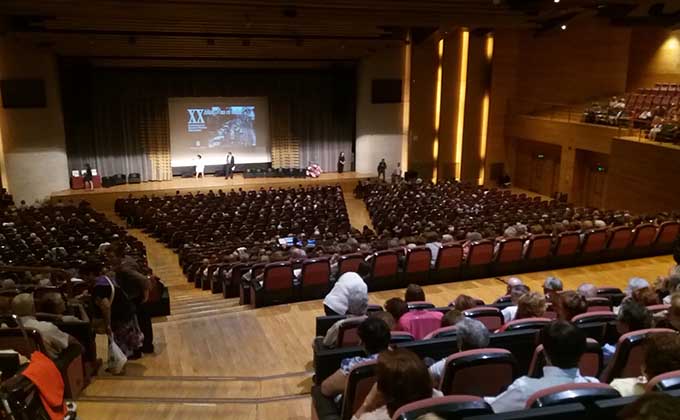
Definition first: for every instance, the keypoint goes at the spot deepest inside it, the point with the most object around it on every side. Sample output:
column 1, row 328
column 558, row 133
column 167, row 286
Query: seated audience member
column 401, row 378
column 53, row 305
column 414, row 293
column 671, row 285
column 386, row 317
column 515, row 293
column 645, row 296
column 671, row 317
column 651, row 406
column 463, row 303
column 433, row 244
column 512, row 282
column 632, row 316
column 420, row 323
column 569, row 304
column 470, row 335
column 356, row 309
column 335, row 302
column 451, row 318
column 587, row 290
column 662, row 355
column 530, row 305
column 551, row 287
column 470, row 237
column 397, row 307
column 564, row 344
column 53, row 338
column 375, row 338
column 634, row 284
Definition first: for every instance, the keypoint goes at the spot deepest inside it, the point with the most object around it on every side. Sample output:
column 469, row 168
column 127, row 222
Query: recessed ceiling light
column 563, row 27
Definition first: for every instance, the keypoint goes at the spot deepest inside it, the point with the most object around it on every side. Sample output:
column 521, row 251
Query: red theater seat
column 417, row 268
column 384, row 271
column 571, row 393
column 448, row 264
column 315, row 278
column 629, row 354
column 360, row 380
column 277, row 285
column 481, row 372
column 525, row 324
column 589, row 365
column 491, row 317
column 668, row 232
column 349, row 263
column 665, row 382
column 448, row 407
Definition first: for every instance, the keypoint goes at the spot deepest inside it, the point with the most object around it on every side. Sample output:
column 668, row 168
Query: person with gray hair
column 357, row 306
column 587, row 290
column 54, row 339
column 634, row 284
column 471, row 334
column 551, row 286
column 512, row 282
column 510, row 312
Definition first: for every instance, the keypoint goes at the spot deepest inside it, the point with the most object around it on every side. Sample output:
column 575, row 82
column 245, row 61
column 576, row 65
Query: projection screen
column 211, row 127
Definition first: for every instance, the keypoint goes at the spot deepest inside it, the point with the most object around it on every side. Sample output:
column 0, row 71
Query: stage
column 104, row 198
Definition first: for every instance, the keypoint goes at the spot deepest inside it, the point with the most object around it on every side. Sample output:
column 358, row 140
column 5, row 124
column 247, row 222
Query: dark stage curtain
column 118, row 118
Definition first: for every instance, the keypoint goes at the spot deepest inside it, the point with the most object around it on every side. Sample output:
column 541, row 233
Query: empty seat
column 448, row 407
column 384, row 269
column 348, row 334
column 567, row 247
column 525, row 324
column 315, row 278
column 571, row 393
column 629, row 354
column 448, row 263
column 665, row 382
column 509, row 250
column 667, row 233
column 360, row 380
column 480, row 256
column 417, row 267
column 643, row 237
column 594, row 241
column 481, row 372
column 590, row 363
column 491, row 317
column 538, row 250
column 349, row 263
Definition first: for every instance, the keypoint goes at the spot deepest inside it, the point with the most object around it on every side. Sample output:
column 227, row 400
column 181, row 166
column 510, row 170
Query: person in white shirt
column 200, row 166
column 563, row 344
column 53, row 338
column 336, row 302
column 516, row 292
column 356, row 310
column 433, row 244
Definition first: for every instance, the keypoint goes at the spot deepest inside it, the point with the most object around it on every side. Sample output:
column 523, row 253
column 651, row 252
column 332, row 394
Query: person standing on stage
column 229, row 167
column 396, row 173
column 89, row 185
column 341, row 162
column 382, row 166
column 200, row 167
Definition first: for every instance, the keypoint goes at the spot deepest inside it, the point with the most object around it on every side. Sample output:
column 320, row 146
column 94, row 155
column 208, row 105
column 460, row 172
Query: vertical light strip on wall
column 485, row 114
column 406, row 102
column 437, row 109
column 462, row 82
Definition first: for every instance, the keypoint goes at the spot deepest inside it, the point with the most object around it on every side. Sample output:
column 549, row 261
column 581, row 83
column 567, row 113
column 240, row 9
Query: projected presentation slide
column 211, row 127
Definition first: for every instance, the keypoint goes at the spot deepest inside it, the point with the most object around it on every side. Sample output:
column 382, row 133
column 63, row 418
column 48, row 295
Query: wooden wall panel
column 654, row 57
column 589, row 60
column 589, row 186
column 537, row 166
column 643, row 177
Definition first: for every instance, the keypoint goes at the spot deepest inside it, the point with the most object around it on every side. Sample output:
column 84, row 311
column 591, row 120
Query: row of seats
column 280, row 285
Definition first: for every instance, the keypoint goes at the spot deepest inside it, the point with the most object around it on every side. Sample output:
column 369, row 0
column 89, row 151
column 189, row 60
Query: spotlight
column 556, row 1
column 563, row 27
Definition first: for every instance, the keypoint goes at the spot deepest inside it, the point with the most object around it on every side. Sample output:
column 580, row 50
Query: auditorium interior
column 512, row 164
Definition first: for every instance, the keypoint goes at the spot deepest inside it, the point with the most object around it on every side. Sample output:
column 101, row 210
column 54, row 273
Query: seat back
column 348, row 334
column 668, row 232
column 644, row 235
column 418, row 260
column 491, row 317
column 594, row 241
column 629, row 354
column 349, row 263
column 598, row 304
column 360, row 380
column 316, row 271
column 568, row 243
column 385, row 264
column 481, row 253
column 448, row 407
column 540, row 246
column 400, row 337
column 416, row 306
column 278, row 276
column 665, row 382
column 449, row 331
column 571, row 393
column 13, row 339
column 658, row 308
column 525, row 323
column 450, row 256
column 481, row 372
column 594, row 316
column 509, row 250
column 590, row 363
column 619, row 238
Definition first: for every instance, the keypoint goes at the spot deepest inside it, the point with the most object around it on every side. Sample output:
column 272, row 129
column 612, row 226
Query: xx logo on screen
column 196, row 121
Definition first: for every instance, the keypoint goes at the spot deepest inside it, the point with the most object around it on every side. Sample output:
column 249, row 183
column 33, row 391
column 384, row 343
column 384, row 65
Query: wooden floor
column 218, row 360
